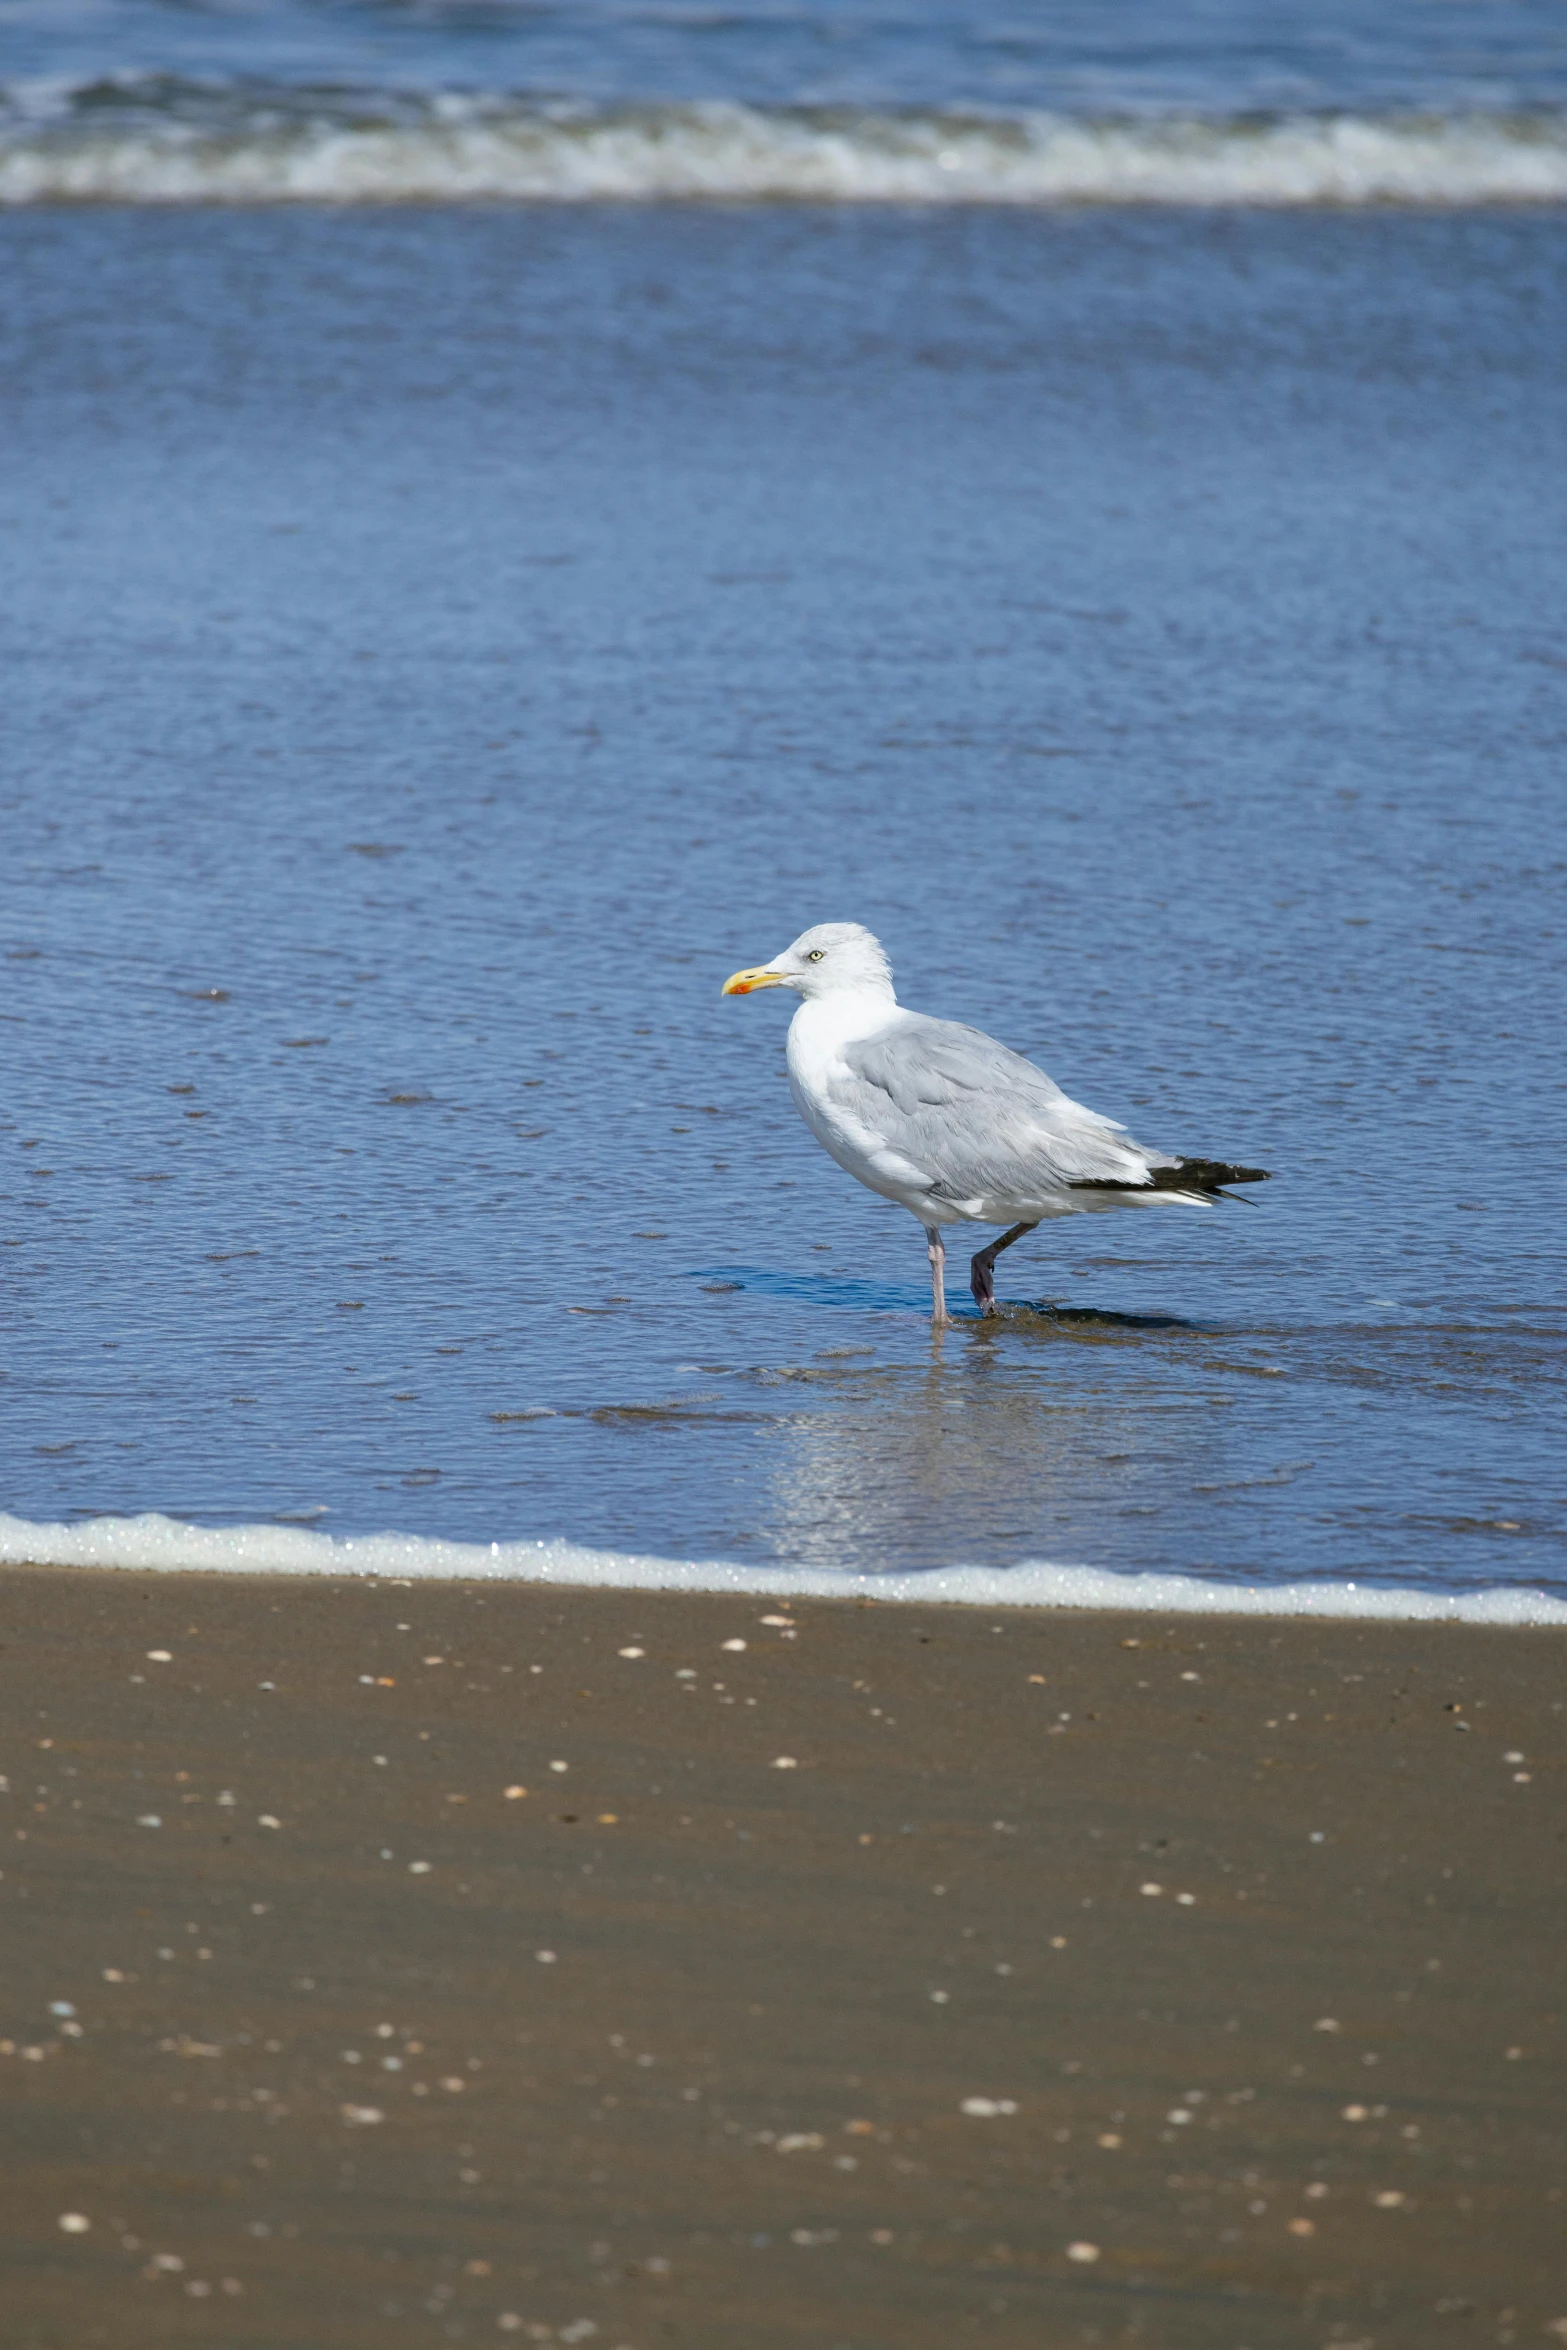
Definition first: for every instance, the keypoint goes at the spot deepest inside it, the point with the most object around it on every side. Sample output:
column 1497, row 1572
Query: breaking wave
column 151, row 1543
column 155, row 140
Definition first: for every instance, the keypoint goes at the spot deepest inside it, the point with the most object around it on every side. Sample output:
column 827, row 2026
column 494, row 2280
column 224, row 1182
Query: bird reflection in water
column 986, row 1456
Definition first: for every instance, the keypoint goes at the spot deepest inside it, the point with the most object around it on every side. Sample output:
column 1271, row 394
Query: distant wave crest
column 160, row 141
column 155, row 1544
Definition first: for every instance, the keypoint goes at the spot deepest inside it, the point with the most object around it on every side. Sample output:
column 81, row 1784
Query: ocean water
column 443, row 640
column 941, row 101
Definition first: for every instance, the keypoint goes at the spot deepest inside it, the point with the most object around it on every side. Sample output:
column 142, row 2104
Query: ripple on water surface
column 455, row 641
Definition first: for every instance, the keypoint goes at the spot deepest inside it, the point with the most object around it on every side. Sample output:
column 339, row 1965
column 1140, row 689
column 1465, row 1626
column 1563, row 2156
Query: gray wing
column 981, row 1120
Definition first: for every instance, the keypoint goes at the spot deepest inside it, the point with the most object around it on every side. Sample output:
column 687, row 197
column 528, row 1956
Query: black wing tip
column 1206, row 1177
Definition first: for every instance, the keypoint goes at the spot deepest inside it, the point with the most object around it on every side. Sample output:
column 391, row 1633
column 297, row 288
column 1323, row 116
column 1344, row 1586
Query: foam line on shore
column 160, row 140
column 152, row 1543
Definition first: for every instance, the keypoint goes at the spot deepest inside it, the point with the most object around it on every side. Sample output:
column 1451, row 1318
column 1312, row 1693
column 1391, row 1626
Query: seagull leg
column 938, row 1267
column 983, row 1265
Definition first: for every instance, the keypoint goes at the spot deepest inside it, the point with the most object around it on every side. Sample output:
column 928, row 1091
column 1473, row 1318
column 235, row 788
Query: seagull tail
column 1207, row 1177
column 1192, row 1178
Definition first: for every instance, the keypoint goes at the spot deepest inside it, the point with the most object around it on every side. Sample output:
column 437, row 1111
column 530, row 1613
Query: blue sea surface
column 1155, row 56
column 441, row 644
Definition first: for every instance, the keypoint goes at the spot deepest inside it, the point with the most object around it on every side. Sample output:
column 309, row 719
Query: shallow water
column 444, row 644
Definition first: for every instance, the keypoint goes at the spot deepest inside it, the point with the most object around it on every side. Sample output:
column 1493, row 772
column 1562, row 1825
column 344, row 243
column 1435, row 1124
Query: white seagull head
column 823, row 961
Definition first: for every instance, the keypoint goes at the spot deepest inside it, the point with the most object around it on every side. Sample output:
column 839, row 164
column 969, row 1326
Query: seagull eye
column 816, row 954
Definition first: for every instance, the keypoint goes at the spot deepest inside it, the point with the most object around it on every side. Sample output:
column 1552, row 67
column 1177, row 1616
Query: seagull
column 946, row 1121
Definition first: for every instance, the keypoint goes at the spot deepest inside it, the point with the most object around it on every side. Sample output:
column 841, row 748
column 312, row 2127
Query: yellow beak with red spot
column 747, row 982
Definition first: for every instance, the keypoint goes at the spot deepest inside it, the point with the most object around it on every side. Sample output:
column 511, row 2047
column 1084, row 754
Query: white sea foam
column 162, row 142
column 153, row 1543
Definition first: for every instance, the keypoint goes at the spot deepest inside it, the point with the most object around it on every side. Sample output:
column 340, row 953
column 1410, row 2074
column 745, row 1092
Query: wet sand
column 1248, row 1936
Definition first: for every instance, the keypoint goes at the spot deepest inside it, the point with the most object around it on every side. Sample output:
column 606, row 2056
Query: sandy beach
column 447, row 1963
